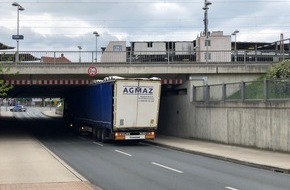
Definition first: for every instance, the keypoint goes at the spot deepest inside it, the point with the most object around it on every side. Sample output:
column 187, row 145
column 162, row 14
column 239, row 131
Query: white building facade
column 115, row 52
column 218, row 49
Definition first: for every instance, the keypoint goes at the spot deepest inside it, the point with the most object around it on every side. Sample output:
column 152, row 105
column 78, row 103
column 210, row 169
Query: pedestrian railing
column 139, row 57
column 243, row 91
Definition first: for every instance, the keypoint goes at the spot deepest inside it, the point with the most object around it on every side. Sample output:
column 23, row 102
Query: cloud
column 51, row 25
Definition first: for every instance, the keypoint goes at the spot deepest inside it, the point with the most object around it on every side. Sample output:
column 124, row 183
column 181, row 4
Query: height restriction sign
column 92, row 71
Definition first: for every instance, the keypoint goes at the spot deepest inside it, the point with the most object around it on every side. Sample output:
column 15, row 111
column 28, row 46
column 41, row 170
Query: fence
column 135, row 57
column 243, row 91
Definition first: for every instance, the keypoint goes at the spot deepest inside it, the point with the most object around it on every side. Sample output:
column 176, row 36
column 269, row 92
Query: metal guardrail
column 135, row 57
column 243, row 91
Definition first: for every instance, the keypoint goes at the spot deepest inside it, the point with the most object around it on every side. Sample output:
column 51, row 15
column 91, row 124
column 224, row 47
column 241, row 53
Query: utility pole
column 97, row 35
column 235, row 34
column 205, row 8
column 17, row 37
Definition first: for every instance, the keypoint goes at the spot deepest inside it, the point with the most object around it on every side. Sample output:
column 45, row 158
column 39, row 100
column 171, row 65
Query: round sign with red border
column 92, row 71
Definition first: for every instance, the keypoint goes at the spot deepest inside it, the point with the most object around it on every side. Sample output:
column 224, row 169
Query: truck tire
column 95, row 132
column 99, row 134
column 75, row 129
column 104, row 135
column 80, row 132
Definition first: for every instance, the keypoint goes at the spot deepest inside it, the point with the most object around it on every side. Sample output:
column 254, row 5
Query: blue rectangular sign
column 17, row 37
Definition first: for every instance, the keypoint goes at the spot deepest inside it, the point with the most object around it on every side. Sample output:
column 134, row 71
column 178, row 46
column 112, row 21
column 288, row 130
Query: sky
column 63, row 25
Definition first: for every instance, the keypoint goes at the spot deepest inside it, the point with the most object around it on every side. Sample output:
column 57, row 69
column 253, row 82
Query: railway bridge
column 52, row 80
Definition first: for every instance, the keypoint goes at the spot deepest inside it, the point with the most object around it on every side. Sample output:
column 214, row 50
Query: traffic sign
column 92, row 71
column 17, row 37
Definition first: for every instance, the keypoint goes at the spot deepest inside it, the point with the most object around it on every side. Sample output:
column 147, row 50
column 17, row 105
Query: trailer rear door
column 136, row 104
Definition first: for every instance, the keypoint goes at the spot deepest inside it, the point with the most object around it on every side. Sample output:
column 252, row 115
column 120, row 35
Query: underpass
column 111, row 165
column 135, row 166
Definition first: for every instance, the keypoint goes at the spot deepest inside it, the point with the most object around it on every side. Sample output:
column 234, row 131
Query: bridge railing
column 243, row 91
column 147, row 57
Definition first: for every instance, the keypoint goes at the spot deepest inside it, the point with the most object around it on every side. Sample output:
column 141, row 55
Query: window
column 208, row 42
column 117, row 48
column 150, row 44
column 170, row 45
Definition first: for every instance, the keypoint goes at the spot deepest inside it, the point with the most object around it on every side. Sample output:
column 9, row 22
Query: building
column 115, row 52
column 5, row 47
column 174, row 51
column 218, row 49
column 61, row 59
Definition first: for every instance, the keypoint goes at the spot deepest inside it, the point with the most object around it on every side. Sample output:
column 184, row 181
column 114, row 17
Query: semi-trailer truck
column 115, row 108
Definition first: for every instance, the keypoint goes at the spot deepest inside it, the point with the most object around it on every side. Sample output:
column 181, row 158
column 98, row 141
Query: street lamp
column 205, row 8
column 235, row 34
column 19, row 8
column 97, row 35
column 80, row 48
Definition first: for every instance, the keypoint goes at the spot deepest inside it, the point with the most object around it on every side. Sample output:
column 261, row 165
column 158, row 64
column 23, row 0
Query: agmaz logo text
column 138, row 90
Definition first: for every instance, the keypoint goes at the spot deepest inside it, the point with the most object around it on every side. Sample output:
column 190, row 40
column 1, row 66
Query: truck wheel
column 95, row 133
column 99, row 134
column 80, row 130
column 75, row 129
column 104, row 135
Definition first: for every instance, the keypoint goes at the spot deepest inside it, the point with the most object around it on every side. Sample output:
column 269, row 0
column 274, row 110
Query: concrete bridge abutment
column 257, row 124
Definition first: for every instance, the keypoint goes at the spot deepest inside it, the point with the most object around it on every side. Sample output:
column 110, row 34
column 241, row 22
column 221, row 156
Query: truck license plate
column 130, row 137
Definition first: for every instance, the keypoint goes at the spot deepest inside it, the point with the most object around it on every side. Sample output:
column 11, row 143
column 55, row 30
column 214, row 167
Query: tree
column 279, row 71
column 4, row 88
column 279, row 75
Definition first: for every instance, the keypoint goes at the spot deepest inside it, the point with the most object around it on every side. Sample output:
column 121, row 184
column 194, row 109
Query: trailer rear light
column 150, row 135
column 119, row 136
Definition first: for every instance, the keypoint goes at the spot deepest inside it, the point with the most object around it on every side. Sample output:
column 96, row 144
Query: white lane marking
column 230, row 188
column 98, row 144
column 123, row 153
column 166, row 167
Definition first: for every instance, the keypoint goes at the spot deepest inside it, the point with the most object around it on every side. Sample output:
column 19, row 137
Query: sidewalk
column 25, row 164
column 274, row 161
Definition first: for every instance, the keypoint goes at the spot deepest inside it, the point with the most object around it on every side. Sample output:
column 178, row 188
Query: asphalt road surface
column 125, row 166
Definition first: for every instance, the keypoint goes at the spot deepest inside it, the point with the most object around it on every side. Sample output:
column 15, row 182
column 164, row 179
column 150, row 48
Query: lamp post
column 97, row 35
column 80, row 48
column 205, row 8
column 235, row 34
column 19, row 8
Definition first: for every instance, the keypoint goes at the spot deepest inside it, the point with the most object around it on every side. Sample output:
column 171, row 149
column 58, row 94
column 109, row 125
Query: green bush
column 279, row 71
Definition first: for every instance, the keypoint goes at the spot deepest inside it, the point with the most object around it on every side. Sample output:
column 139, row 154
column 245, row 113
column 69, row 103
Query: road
column 118, row 166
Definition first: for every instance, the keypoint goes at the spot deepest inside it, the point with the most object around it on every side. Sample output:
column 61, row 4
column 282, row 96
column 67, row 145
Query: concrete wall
column 253, row 124
column 139, row 69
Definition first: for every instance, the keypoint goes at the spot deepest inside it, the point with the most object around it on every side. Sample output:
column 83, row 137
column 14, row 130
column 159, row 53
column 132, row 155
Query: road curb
column 68, row 167
column 255, row 165
column 51, row 115
column 75, row 173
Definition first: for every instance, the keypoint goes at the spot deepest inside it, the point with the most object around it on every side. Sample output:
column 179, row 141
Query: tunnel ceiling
column 39, row 91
